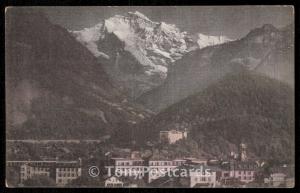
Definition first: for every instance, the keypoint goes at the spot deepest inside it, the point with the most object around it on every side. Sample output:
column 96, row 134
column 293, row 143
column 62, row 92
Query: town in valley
column 238, row 170
column 150, row 96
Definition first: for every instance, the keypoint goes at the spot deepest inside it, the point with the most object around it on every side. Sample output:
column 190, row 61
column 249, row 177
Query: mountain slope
column 55, row 88
column 137, row 51
column 206, row 40
column 265, row 50
column 241, row 107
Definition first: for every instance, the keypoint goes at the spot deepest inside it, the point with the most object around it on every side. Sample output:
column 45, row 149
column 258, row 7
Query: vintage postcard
column 150, row 96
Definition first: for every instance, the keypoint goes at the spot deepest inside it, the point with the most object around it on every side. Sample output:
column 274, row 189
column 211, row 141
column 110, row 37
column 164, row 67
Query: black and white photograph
column 150, row 96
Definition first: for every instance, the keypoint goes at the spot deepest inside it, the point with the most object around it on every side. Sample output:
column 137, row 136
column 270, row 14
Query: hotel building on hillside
column 172, row 136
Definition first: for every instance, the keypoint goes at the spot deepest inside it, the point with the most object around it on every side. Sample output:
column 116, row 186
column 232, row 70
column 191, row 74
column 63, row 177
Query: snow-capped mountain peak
column 139, row 14
column 168, row 28
column 206, row 40
column 153, row 45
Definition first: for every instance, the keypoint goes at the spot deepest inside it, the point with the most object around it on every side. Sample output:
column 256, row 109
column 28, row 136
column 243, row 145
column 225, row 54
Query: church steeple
column 243, row 152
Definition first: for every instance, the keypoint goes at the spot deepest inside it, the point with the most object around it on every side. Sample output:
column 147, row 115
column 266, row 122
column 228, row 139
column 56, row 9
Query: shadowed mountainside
column 55, row 88
column 241, row 107
column 266, row 50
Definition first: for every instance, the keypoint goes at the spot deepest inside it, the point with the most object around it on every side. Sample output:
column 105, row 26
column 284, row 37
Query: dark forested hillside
column 55, row 88
column 242, row 107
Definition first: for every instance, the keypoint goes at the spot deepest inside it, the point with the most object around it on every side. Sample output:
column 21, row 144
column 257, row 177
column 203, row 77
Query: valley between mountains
column 127, row 78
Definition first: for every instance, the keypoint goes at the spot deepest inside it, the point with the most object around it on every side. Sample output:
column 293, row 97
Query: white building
column 276, row 179
column 172, row 136
column 66, row 172
column 62, row 172
column 202, row 179
column 113, row 182
column 27, row 171
column 159, row 168
column 127, row 167
column 122, row 181
column 151, row 169
column 243, row 171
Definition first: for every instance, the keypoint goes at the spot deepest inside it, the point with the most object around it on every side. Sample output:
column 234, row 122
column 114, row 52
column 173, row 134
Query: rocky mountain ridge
column 145, row 48
column 265, row 50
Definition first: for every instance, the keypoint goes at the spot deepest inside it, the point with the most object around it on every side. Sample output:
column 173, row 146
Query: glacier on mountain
column 160, row 42
column 154, row 45
column 206, row 40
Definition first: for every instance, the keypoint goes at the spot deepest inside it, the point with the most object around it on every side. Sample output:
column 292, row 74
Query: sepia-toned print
column 150, row 97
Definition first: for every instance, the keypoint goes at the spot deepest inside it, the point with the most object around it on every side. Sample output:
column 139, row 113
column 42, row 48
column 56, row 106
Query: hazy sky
column 232, row 21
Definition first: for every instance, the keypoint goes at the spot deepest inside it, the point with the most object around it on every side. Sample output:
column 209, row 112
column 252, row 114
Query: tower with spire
column 243, row 152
